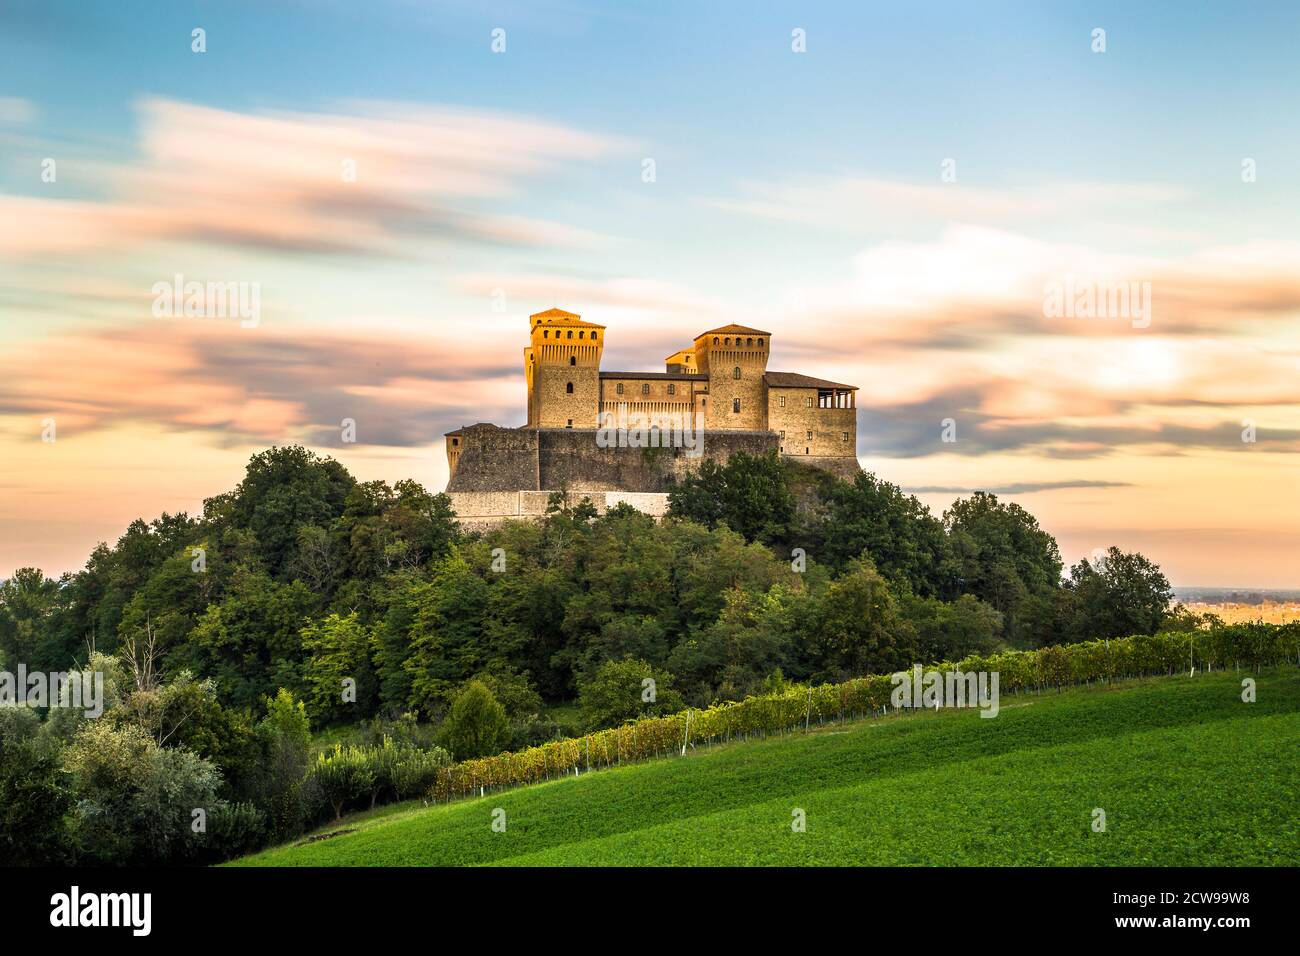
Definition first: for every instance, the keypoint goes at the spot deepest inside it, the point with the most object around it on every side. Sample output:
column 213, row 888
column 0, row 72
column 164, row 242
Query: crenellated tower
column 562, row 369
column 734, row 358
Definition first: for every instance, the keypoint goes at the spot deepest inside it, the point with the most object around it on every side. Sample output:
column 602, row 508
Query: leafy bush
column 33, row 799
column 345, row 775
column 476, row 725
column 135, row 799
column 619, row 691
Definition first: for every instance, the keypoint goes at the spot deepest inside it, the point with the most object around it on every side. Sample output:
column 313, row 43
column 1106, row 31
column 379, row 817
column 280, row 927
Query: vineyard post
column 808, row 713
column 687, row 738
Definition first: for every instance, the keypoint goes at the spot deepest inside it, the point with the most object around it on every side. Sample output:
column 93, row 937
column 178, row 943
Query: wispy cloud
column 367, row 179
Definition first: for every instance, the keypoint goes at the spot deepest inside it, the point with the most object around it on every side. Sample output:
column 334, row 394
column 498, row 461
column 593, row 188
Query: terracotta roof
column 732, row 330
column 560, row 317
column 693, row 376
column 795, row 380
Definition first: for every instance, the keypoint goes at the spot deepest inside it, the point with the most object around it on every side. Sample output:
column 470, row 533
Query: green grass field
column 1186, row 772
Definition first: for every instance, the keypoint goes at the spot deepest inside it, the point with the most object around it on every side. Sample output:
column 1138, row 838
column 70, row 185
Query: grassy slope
column 1186, row 772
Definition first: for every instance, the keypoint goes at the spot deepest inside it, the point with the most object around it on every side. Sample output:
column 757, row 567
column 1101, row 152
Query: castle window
column 760, row 343
column 455, row 441
column 808, row 401
column 570, row 425
column 593, row 335
column 783, row 434
column 619, row 388
column 728, row 341
column 570, row 333
column 579, row 335
column 735, row 372
column 749, row 343
column 672, row 389
column 715, row 340
column 573, row 360
column 810, row 436
column 735, row 405
column 546, row 333
column 781, row 400
column 846, row 436
column 569, row 387
column 645, row 389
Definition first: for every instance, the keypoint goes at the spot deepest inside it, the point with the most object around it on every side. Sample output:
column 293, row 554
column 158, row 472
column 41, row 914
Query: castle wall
column 481, row 510
column 530, row 460
column 829, row 426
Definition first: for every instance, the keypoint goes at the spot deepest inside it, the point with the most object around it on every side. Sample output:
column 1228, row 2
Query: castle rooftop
column 560, row 317
column 795, row 380
column 732, row 330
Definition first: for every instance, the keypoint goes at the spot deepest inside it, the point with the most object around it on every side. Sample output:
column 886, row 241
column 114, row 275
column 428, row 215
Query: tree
column 476, row 725
column 344, row 775
column 337, row 650
column 856, row 628
column 33, row 798
column 749, row 493
column 134, row 800
column 874, row 519
column 284, row 736
column 619, row 691
column 951, row 630
column 1121, row 594
column 1005, row 559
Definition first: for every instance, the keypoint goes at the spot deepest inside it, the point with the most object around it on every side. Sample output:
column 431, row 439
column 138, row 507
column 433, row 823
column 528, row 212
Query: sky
column 903, row 195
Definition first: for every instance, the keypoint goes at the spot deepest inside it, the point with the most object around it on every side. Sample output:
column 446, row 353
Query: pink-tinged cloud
column 365, row 181
column 241, row 386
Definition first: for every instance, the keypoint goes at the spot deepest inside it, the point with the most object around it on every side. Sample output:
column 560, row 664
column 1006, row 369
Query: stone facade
column 721, row 384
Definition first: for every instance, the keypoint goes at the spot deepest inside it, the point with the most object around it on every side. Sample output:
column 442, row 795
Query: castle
column 720, row 385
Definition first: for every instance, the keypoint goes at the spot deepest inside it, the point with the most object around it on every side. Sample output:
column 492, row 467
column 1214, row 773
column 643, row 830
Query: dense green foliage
column 1187, row 773
column 306, row 601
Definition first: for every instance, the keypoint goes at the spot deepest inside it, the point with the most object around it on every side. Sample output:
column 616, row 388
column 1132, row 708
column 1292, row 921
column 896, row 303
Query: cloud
column 1016, row 488
column 848, row 201
column 241, row 386
column 16, row 110
column 281, row 181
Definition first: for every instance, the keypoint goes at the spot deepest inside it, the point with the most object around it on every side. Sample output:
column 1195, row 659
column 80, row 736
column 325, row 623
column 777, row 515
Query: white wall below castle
column 477, row 509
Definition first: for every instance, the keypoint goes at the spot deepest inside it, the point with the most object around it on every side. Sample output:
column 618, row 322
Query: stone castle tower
column 721, row 384
column 562, row 369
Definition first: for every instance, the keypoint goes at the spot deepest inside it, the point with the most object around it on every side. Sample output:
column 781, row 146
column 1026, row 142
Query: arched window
column 573, row 360
column 619, row 388
column 579, row 335
column 546, row 333
column 727, row 341
column 593, row 335
column 569, row 388
column 715, row 340
column 570, row 335
column 735, row 405
column 760, row 343
column 735, row 372
column 749, row 343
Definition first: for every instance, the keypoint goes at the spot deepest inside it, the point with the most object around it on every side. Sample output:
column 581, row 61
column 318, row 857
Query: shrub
column 476, row 725
column 345, row 774
column 617, row 691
